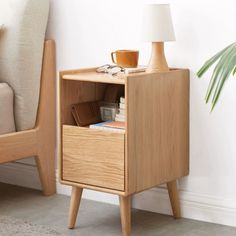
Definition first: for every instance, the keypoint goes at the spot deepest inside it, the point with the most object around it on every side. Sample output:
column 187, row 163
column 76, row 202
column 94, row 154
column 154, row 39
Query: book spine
column 107, row 129
column 122, row 100
column 122, row 106
column 121, row 112
column 120, row 119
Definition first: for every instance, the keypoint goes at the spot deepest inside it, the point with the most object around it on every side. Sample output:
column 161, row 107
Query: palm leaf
column 217, row 73
column 213, row 81
column 234, row 70
column 227, row 69
column 211, row 61
column 225, row 66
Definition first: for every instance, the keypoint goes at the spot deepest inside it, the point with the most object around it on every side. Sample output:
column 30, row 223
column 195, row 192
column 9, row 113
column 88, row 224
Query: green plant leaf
column 228, row 65
column 224, row 67
column 217, row 72
column 234, row 70
column 211, row 61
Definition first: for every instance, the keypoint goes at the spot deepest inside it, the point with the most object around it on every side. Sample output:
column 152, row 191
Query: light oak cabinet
column 154, row 149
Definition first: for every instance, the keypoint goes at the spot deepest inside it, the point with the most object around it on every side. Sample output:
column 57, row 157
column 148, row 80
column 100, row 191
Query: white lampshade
column 157, row 23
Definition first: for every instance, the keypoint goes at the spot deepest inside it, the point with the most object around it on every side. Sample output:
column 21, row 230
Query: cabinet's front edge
column 105, row 190
column 130, row 162
column 59, row 126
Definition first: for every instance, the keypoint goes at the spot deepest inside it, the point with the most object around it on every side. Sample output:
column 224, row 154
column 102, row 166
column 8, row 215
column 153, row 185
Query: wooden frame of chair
column 40, row 141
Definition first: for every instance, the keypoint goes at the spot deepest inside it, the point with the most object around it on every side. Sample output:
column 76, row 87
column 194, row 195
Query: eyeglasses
column 110, row 69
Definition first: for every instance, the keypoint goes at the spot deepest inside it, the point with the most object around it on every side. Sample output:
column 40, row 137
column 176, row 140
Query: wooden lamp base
column 157, row 61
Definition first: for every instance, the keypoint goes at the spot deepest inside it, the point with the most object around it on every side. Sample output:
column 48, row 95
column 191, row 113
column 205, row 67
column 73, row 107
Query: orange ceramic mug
column 125, row 58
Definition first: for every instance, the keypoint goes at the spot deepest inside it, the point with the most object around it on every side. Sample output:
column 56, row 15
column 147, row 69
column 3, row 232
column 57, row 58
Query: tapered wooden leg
column 46, row 121
column 74, row 206
column 174, row 198
column 46, row 167
column 125, row 212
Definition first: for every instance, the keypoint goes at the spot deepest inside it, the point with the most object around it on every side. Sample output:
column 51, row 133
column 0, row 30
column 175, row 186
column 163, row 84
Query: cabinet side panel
column 157, row 128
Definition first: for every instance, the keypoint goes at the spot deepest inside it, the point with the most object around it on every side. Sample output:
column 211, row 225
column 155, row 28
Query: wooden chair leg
column 125, row 212
column 46, row 121
column 174, row 198
column 74, row 206
column 46, row 167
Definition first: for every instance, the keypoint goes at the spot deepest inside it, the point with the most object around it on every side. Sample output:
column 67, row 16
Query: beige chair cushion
column 21, row 52
column 7, row 123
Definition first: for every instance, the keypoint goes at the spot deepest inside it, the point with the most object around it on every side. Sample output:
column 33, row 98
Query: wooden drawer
column 93, row 157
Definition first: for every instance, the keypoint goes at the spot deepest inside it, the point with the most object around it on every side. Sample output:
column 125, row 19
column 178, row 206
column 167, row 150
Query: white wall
column 86, row 31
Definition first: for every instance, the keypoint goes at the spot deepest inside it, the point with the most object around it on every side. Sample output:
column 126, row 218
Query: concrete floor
column 96, row 219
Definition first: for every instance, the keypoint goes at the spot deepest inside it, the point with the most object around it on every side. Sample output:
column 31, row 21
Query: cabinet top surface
column 90, row 75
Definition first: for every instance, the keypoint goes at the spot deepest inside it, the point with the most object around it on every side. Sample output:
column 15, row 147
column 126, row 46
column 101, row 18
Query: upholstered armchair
column 27, row 87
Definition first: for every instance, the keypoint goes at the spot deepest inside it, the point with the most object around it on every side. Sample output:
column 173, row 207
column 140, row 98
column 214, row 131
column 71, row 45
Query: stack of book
column 120, row 116
column 135, row 70
column 112, row 126
column 117, row 125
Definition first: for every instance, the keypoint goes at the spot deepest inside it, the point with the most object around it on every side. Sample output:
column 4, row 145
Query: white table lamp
column 158, row 28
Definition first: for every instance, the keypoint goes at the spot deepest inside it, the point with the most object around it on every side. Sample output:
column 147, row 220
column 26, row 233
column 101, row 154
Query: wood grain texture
column 91, row 75
column 95, row 188
column 46, row 121
column 157, row 128
column 40, row 141
column 93, row 157
column 73, row 92
column 125, row 213
column 174, row 198
column 16, row 146
column 76, row 195
column 153, row 151
column 158, row 61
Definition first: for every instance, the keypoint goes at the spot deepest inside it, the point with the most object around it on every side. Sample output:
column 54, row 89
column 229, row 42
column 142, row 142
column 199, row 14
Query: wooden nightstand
column 154, row 149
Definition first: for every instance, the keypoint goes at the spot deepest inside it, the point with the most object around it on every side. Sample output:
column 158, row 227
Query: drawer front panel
column 93, row 157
